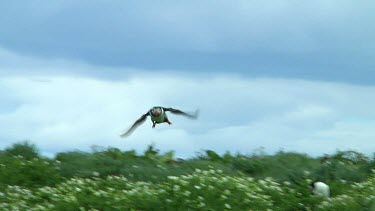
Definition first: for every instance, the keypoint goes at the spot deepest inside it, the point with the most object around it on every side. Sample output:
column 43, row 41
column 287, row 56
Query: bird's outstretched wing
column 135, row 125
column 178, row 112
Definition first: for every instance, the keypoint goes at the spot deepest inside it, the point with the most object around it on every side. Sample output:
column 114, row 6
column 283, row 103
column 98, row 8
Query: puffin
column 158, row 115
column 320, row 189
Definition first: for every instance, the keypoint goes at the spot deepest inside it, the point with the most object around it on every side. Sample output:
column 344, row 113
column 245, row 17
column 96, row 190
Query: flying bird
column 158, row 115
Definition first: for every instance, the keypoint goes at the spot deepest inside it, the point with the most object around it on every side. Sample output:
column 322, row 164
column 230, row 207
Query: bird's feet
column 153, row 125
column 169, row 123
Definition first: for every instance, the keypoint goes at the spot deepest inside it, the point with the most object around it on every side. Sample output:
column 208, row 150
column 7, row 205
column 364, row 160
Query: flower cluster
column 359, row 196
column 200, row 190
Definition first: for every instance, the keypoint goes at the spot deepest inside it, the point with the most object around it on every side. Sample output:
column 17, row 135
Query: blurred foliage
column 25, row 149
column 22, row 166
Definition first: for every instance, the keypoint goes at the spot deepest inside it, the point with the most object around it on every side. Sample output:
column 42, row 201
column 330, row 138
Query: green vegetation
column 111, row 179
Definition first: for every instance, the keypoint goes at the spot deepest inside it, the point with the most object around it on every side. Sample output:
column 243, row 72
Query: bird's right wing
column 135, row 125
column 178, row 112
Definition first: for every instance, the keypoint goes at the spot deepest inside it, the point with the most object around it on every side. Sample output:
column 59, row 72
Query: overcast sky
column 291, row 75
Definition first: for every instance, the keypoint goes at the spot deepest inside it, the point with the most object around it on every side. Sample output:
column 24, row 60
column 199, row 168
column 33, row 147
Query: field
column 111, row 179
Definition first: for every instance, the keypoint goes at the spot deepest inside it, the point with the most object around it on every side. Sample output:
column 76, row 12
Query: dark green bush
column 25, row 149
column 38, row 172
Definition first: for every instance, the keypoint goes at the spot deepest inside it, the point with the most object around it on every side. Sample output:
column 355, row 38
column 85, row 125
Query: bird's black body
column 158, row 116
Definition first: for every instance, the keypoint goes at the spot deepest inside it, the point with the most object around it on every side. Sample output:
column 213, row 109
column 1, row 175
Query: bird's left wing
column 135, row 125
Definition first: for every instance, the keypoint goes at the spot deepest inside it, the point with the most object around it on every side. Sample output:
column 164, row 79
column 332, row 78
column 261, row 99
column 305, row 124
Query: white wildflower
column 172, row 177
column 250, row 179
column 287, row 183
column 202, row 204
column 187, row 193
column 176, row 187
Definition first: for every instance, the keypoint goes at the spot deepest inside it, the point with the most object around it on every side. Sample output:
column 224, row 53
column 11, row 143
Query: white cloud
column 237, row 114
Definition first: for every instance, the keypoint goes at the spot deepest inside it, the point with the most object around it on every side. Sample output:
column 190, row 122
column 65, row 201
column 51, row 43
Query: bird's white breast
column 321, row 189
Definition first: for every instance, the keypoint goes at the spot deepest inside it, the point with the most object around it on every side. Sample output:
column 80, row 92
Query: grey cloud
column 311, row 40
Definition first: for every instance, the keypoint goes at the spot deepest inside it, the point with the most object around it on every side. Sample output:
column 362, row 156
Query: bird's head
column 156, row 111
